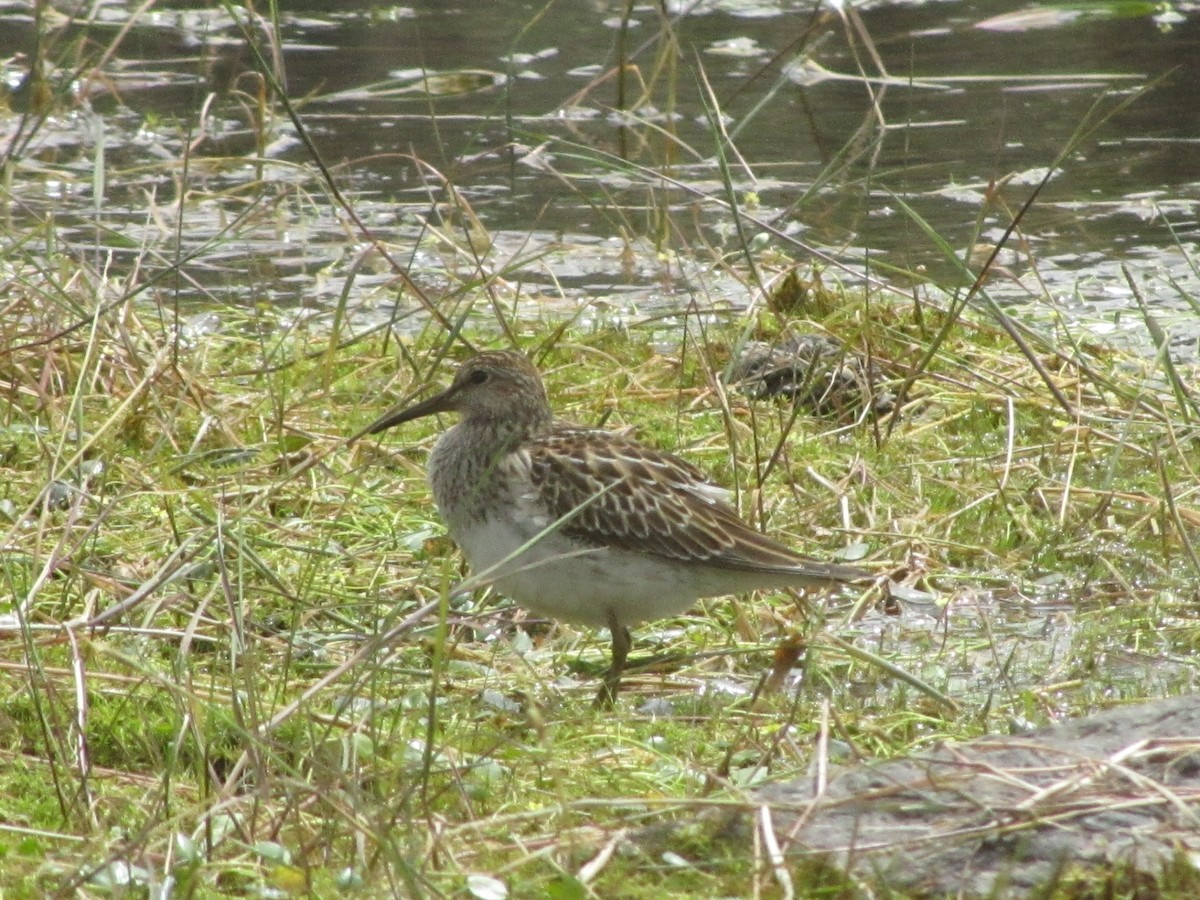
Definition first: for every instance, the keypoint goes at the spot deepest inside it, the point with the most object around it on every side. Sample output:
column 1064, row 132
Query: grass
column 237, row 726
column 233, row 661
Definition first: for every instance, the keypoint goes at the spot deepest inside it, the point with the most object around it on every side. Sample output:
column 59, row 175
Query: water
column 500, row 131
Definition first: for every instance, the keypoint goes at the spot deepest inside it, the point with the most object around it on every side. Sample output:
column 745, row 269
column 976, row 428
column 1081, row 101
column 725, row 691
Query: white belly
column 561, row 579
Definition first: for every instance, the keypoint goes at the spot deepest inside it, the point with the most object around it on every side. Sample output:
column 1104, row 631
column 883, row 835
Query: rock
column 1114, row 794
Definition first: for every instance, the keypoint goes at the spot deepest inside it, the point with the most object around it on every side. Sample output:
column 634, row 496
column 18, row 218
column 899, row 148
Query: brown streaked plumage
column 583, row 525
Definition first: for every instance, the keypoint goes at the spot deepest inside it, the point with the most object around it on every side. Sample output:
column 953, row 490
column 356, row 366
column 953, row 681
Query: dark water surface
column 516, row 105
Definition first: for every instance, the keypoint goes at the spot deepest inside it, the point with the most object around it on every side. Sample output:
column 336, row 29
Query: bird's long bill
column 443, row 402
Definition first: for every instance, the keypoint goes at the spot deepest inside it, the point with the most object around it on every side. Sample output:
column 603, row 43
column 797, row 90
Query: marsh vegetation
column 233, row 659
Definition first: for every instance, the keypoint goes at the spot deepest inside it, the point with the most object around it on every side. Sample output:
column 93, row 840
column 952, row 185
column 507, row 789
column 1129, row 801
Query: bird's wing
column 613, row 491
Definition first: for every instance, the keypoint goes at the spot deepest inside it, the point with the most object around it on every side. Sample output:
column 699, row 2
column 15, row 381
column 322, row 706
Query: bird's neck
column 500, row 434
column 472, row 464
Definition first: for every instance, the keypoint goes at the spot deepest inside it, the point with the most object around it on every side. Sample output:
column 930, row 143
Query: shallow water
column 581, row 205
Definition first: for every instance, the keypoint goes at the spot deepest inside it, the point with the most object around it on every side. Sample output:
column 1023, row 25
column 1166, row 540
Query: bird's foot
column 606, row 697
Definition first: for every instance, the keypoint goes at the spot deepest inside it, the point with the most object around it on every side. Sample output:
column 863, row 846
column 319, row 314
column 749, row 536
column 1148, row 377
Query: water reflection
column 520, row 114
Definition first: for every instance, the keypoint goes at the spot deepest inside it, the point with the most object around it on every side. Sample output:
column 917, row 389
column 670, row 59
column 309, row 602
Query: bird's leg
column 621, row 642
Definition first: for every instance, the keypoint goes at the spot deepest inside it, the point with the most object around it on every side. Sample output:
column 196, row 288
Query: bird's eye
column 479, row 376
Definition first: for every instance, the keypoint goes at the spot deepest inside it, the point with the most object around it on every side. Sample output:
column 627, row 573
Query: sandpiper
column 583, row 525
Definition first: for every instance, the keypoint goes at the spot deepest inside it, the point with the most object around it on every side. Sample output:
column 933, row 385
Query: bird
column 583, row 525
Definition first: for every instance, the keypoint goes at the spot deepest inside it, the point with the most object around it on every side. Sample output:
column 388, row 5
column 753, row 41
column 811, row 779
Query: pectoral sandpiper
column 587, row 526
